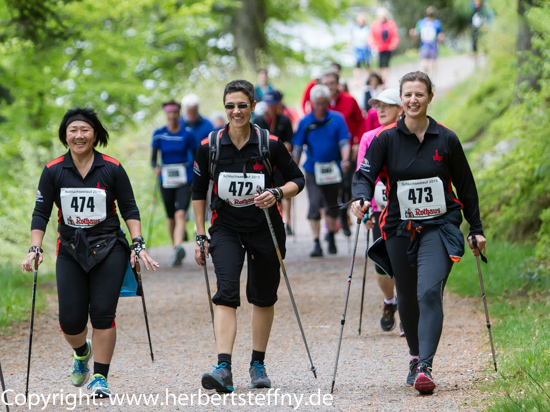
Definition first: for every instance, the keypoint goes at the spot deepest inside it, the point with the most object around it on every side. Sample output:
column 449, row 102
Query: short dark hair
column 333, row 74
column 417, row 76
column 336, row 64
column 87, row 115
column 376, row 76
column 170, row 103
column 243, row 86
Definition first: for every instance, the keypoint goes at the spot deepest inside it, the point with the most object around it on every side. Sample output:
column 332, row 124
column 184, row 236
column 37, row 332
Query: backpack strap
column 263, row 141
column 213, row 151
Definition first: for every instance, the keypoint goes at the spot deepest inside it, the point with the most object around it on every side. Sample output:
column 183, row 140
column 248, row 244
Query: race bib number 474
column 238, row 191
column 83, row 207
column 421, row 199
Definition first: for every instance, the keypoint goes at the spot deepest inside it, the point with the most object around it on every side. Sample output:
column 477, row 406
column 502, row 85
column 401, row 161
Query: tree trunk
column 249, row 30
column 528, row 73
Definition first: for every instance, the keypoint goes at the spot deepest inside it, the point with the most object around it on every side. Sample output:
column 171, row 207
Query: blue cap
column 272, row 97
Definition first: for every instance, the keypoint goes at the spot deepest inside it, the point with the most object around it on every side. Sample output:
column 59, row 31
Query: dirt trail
column 371, row 370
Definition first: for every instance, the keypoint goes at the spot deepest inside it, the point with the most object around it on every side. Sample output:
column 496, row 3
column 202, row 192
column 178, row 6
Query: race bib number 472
column 238, row 191
column 421, row 199
column 83, row 207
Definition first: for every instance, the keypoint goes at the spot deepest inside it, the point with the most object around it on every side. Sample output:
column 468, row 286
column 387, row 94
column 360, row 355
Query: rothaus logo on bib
column 238, row 191
column 83, row 207
column 421, row 198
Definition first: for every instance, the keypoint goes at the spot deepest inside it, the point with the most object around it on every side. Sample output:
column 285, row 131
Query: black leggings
column 419, row 286
column 95, row 292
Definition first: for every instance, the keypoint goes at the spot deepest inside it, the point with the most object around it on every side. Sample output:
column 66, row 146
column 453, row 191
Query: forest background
column 124, row 58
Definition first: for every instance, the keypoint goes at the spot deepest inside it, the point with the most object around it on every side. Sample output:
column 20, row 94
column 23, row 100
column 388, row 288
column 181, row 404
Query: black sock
column 257, row 356
column 224, row 357
column 316, row 241
column 101, row 368
column 82, row 350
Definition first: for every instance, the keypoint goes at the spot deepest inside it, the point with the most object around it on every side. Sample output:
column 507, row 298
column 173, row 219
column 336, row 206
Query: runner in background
column 316, row 73
column 193, row 121
column 278, row 125
column 239, row 227
column 384, row 37
column 263, row 86
column 419, row 161
column 482, row 16
column 326, row 137
column 361, row 50
column 175, row 174
column 346, row 105
column 430, row 31
column 389, row 109
column 92, row 251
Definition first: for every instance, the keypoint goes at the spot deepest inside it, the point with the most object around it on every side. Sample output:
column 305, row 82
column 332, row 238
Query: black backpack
column 214, row 151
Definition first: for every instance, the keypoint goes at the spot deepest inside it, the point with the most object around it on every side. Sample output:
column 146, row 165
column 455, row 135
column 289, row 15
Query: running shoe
column 424, row 382
column 99, row 387
column 317, row 251
column 387, row 321
column 177, row 257
column 80, row 371
column 258, row 376
column 289, row 231
column 331, row 244
column 221, row 379
column 413, row 367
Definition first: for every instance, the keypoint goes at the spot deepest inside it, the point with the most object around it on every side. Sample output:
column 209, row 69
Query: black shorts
column 321, row 196
column 384, row 58
column 176, row 199
column 228, row 249
column 95, row 292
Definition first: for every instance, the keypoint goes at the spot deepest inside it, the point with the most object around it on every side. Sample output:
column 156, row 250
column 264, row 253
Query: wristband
column 36, row 250
column 138, row 239
column 200, row 239
column 137, row 247
column 277, row 192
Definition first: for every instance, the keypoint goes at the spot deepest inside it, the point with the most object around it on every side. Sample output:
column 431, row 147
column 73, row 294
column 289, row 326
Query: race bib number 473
column 421, row 199
column 238, row 191
column 83, row 207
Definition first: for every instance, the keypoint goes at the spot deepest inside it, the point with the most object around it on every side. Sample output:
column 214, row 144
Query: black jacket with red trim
column 106, row 173
column 396, row 154
column 249, row 218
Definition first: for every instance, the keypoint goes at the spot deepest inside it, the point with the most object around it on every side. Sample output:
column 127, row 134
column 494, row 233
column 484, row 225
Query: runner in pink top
column 388, row 107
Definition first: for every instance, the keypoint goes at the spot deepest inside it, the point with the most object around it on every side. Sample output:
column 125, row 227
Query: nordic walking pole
column 474, row 243
column 140, row 285
column 32, row 321
column 201, row 245
column 343, row 321
column 364, row 280
column 268, row 218
column 4, row 396
column 153, row 205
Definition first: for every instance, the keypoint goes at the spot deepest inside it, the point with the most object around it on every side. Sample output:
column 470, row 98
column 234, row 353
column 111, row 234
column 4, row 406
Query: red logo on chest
column 437, row 158
column 258, row 166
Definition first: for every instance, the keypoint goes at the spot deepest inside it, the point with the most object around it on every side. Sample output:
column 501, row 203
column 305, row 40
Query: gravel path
column 371, row 371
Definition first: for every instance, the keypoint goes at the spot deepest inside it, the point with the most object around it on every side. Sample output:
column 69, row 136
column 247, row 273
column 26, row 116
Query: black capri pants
column 95, row 292
column 376, row 233
column 177, row 198
column 228, row 248
column 419, row 287
column 321, row 196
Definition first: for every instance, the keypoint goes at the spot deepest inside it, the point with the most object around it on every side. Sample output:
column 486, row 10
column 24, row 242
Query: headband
column 80, row 117
column 171, row 108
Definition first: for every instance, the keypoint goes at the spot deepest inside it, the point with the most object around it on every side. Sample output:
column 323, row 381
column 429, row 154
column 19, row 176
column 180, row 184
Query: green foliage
column 16, row 296
column 519, row 307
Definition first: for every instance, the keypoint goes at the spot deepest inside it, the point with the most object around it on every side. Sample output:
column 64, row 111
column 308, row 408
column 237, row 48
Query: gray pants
column 419, row 286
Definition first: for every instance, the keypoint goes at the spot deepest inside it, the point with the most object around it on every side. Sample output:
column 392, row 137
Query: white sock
column 392, row 301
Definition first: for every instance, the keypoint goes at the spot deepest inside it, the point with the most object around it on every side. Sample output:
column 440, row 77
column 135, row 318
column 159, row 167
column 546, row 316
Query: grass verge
column 519, row 308
column 16, row 296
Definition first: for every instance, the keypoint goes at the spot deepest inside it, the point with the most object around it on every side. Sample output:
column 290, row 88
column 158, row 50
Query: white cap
column 190, row 100
column 388, row 96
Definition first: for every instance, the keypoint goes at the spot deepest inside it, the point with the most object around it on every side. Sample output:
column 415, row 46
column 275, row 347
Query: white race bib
column 421, row 199
column 83, row 207
column 238, row 191
column 173, row 175
column 327, row 173
column 380, row 196
column 428, row 34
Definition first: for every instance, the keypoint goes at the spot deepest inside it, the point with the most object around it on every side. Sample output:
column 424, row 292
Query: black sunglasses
column 231, row 106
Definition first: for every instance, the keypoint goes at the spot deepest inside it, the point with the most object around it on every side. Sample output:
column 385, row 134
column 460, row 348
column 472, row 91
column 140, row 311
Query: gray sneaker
column 221, row 379
column 258, row 376
column 177, row 257
column 413, row 369
column 80, row 371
